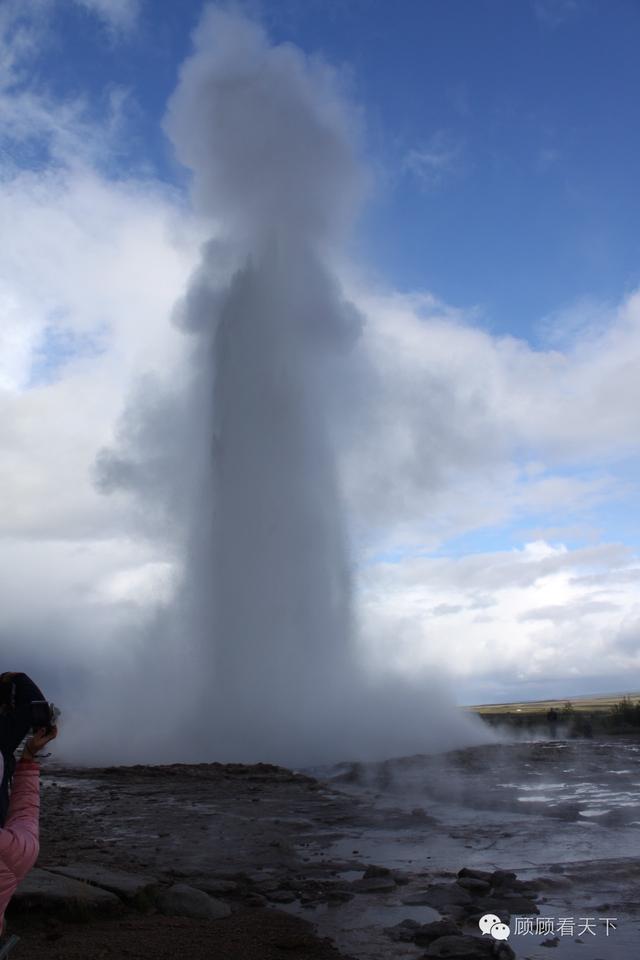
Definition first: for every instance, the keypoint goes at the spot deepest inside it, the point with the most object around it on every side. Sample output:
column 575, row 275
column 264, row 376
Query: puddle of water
column 349, row 875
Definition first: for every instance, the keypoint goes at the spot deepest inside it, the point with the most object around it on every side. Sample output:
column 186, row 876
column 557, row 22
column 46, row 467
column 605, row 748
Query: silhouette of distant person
column 552, row 721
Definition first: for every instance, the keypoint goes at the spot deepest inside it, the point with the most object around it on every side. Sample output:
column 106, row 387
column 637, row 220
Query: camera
column 43, row 714
column 24, row 702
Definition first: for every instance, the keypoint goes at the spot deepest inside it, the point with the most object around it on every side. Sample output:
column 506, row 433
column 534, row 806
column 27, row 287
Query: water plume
column 261, row 634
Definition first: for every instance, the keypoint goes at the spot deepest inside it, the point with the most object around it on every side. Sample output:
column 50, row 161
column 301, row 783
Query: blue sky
column 497, row 264
column 500, row 135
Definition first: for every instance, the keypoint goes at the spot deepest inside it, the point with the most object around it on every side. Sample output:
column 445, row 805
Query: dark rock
column 473, row 885
column 428, row 932
column 403, row 932
column 181, row 900
column 502, row 878
column 514, row 886
column 374, row 871
column 485, row 875
column 551, row 942
column 520, row 905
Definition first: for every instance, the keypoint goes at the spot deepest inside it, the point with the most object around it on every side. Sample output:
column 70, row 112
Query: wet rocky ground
column 393, row 860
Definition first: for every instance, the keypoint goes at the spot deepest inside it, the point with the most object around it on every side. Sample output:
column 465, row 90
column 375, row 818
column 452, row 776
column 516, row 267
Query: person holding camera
column 21, row 702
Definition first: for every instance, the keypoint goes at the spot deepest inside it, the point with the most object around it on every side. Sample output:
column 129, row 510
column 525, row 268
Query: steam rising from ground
column 257, row 659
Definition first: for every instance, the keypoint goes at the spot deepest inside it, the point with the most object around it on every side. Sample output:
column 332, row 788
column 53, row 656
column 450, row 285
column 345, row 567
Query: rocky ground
column 232, row 861
column 203, row 860
column 156, row 862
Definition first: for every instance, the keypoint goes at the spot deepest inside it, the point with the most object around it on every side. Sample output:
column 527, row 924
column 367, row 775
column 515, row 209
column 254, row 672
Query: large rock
column 54, row 893
column 128, row 886
column 181, row 900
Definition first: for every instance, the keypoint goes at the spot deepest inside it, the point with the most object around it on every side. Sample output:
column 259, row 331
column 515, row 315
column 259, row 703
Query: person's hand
column 40, row 738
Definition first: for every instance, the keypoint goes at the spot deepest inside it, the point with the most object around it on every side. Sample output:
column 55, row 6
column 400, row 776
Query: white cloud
column 507, row 618
column 464, row 429
column 460, row 431
column 106, row 260
column 40, row 131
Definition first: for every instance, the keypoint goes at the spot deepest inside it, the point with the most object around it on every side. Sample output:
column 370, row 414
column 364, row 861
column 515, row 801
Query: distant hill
column 590, row 702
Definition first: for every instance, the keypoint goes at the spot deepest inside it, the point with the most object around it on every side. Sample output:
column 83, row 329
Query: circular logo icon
column 492, row 925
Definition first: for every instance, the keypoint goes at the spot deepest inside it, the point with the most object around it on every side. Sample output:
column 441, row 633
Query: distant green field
column 603, row 702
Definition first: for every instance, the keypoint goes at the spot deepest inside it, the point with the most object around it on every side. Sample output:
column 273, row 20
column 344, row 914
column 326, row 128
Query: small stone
column 551, row 942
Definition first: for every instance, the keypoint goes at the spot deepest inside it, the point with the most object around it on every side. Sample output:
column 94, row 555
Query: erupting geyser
column 268, row 571
column 263, row 620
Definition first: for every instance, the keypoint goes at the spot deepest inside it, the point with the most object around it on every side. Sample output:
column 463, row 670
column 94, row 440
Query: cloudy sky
column 493, row 491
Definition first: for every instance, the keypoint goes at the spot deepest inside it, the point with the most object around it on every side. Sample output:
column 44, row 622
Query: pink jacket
column 19, row 838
